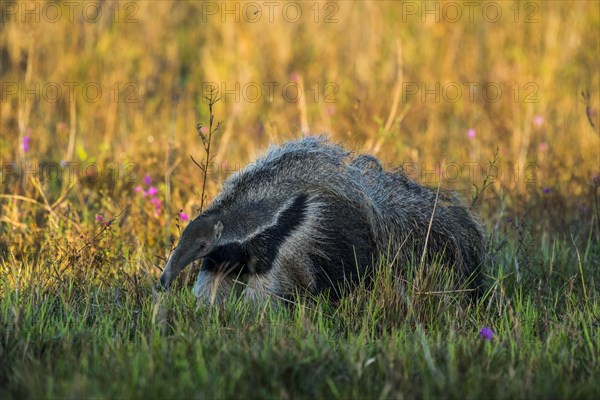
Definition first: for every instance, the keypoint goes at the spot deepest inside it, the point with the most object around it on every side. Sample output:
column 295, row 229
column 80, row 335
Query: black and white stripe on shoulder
column 256, row 254
column 264, row 247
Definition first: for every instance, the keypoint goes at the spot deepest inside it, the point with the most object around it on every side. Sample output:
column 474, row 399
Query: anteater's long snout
column 170, row 271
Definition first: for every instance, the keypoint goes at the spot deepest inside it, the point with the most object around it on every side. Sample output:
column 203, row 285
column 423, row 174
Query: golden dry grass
column 378, row 76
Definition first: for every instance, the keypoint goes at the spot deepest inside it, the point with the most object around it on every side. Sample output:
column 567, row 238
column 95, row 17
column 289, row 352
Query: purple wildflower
column 538, row 120
column 26, row 140
column 138, row 189
column 487, row 333
column 148, row 180
column 183, row 216
column 471, row 133
column 152, row 191
column 99, row 217
column 508, row 220
column 546, row 190
column 156, row 201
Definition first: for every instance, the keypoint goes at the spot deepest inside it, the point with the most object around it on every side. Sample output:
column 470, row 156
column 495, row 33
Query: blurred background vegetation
column 99, row 102
column 97, row 96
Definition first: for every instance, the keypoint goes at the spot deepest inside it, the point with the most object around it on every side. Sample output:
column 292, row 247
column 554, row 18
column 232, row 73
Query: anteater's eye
column 202, row 245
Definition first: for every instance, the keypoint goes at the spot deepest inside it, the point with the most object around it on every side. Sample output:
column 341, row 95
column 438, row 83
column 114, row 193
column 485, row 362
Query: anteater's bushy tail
column 403, row 209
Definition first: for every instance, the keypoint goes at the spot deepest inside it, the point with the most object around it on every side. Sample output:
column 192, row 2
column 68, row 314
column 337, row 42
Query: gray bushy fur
column 310, row 215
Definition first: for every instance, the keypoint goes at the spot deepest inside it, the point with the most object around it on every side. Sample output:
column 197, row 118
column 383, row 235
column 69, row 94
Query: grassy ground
column 95, row 190
column 73, row 336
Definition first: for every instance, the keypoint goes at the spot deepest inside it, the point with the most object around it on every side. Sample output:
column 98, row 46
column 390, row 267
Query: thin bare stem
column 486, row 180
column 212, row 99
column 437, row 196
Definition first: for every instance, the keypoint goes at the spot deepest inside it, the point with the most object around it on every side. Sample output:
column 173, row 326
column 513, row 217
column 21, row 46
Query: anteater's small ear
column 218, row 230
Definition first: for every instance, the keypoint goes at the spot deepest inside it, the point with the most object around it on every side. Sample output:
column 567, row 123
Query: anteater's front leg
column 214, row 286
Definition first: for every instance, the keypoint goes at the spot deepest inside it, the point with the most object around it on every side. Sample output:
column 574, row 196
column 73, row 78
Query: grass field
column 98, row 111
